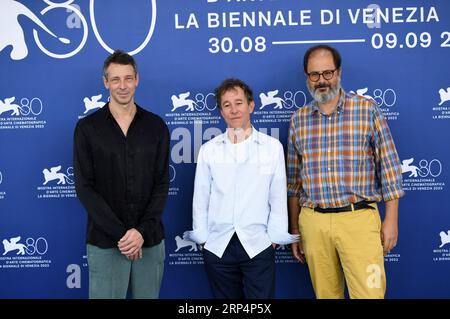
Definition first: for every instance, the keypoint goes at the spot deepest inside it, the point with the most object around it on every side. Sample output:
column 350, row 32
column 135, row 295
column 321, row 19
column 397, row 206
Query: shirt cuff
column 281, row 237
column 198, row 236
column 293, row 190
column 392, row 192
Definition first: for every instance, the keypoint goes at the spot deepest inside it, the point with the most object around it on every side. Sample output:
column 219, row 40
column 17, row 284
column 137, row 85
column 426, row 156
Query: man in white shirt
column 240, row 201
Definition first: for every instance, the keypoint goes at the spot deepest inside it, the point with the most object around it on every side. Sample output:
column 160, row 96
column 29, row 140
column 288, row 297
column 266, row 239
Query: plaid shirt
column 344, row 157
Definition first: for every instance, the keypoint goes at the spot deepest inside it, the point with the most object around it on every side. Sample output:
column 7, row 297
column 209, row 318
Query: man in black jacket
column 121, row 155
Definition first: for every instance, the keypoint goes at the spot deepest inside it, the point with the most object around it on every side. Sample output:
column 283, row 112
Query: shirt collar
column 340, row 105
column 108, row 114
column 255, row 137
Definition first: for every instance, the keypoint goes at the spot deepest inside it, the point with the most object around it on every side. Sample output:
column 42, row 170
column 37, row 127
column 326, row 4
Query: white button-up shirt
column 240, row 188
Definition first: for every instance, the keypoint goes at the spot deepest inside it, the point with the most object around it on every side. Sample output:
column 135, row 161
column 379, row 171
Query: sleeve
column 387, row 162
column 294, row 163
column 152, row 217
column 96, row 206
column 200, row 203
column 277, row 226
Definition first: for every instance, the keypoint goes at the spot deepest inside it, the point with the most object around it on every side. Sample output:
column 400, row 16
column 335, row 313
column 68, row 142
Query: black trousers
column 236, row 276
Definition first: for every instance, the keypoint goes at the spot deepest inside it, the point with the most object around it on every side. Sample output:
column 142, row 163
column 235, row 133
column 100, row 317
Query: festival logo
column 57, row 183
column 386, row 100
column 422, row 175
column 276, row 106
column 444, row 95
column 442, row 110
column 188, row 108
column 28, row 253
column 445, row 238
column 442, row 252
column 92, row 104
column 21, row 113
column 12, row 33
column 186, row 252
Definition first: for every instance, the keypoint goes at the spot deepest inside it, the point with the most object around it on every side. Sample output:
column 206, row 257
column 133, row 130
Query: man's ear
column 251, row 106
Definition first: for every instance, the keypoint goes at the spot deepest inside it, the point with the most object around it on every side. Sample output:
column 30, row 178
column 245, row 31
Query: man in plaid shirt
column 341, row 161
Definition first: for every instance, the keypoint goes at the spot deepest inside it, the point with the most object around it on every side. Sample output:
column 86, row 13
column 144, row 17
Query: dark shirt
column 122, row 181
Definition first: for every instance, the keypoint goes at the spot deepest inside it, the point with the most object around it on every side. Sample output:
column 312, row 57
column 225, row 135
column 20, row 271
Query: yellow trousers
column 344, row 245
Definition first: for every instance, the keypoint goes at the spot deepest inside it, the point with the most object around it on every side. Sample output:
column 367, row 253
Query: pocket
column 162, row 250
column 268, row 253
column 304, row 212
column 375, row 218
column 302, row 221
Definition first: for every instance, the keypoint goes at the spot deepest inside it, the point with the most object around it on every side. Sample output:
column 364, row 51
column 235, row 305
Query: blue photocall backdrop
column 51, row 55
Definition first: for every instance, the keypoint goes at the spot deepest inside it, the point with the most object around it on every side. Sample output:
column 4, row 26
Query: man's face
column 121, row 81
column 323, row 90
column 236, row 109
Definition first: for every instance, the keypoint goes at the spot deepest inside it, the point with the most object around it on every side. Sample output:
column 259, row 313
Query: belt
column 356, row 206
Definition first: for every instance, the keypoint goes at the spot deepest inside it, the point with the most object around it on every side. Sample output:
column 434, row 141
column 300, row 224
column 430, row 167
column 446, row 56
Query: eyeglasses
column 327, row 75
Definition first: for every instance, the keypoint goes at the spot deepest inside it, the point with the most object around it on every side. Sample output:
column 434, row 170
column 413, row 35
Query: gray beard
column 325, row 97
